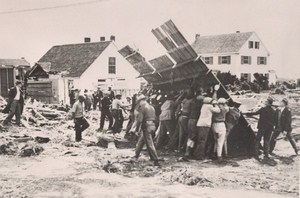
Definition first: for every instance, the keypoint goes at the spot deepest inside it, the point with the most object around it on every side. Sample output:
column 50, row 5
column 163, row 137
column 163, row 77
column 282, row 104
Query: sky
column 29, row 28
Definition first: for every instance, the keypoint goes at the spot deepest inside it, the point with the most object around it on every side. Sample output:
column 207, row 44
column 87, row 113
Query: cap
column 141, row 97
column 222, row 101
column 207, row 100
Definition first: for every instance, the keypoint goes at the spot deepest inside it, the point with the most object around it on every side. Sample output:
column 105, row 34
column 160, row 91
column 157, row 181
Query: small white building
column 88, row 65
column 241, row 54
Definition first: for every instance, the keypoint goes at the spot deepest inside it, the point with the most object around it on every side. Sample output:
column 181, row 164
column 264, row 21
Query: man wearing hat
column 15, row 104
column 265, row 126
column 283, row 123
column 145, row 120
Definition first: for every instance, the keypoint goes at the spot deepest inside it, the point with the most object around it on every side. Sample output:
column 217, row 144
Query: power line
column 50, row 8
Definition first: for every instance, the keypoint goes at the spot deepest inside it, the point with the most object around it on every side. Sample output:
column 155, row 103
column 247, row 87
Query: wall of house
column 237, row 68
column 254, row 53
column 223, row 67
column 99, row 70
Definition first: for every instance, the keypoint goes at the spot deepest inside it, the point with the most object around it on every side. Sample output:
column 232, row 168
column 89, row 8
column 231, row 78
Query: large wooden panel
column 40, row 90
column 161, row 62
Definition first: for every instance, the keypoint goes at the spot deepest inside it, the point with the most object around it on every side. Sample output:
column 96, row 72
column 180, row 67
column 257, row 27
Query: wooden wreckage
column 181, row 68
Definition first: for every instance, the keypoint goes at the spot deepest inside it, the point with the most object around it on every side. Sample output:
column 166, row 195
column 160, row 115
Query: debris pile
column 188, row 177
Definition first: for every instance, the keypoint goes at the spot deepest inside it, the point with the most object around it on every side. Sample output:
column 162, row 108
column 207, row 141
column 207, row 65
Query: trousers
column 289, row 137
column 106, row 113
column 146, row 138
column 118, row 120
column 202, row 134
column 229, row 127
column 183, row 131
column 162, row 137
column 15, row 110
column 266, row 134
column 219, row 130
column 80, row 125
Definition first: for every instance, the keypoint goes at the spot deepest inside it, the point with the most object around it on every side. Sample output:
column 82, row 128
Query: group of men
column 185, row 122
column 111, row 107
column 182, row 122
column 274, row 119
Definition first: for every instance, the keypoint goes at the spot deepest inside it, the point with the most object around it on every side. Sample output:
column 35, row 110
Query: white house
column 241, row 54
column 88, row 65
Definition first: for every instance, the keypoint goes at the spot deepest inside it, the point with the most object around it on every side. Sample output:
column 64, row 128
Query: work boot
column 156, row 163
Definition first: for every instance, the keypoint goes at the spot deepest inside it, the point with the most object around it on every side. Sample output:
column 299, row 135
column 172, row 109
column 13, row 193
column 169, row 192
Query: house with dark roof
column 86, row 65
column 10, row 71
column 241, row 53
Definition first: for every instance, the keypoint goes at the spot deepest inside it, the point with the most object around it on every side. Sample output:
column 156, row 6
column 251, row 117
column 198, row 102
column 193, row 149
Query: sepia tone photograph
column 149, row 98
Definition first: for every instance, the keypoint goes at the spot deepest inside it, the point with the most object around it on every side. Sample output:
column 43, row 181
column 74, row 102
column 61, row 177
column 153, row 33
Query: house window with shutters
column 261, row 60
column 224, row 60
column 246, row 60
column 256, row 45
column 112, row 65
column 208, row 60
column 250, row 44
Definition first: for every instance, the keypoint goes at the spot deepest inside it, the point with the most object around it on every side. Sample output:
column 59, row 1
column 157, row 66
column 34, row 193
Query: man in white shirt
column 116, row 111
column 80, row 122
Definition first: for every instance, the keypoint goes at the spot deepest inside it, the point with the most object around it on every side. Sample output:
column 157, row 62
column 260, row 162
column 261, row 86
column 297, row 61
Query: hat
column 140, row 97
column 222, row 101
column 18, row 82
column 285, row 100
column 207, row 100
column 118, row 95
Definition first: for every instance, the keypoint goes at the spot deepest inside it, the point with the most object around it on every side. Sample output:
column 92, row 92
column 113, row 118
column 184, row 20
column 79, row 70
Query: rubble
column 31, row 150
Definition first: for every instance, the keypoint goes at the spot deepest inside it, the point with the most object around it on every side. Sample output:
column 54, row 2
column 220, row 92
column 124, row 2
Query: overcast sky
column 31, row 34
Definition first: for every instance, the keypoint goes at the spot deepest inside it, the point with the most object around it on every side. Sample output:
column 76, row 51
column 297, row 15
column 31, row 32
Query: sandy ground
column 65, row 169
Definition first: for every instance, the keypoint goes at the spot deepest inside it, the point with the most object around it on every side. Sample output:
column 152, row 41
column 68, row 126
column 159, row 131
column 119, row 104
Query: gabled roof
column 14, row 62
column 223, row 43
column 74, row 59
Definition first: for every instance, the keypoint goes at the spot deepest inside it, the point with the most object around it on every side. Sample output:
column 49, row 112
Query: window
column 208, row 60
column 261, row 60
column 246, row 60
column 224, row 60
column 112, row 65
column 250, row 44
column 256, row 45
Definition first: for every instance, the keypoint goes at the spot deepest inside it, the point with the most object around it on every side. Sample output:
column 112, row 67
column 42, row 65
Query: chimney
column 87, row 39
column 102, row 38
column 237, row 32
column 197, row 36
column 112, row 38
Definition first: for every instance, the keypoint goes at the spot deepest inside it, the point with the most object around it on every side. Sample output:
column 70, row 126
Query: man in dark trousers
column 80, row 122
column 265, row 127
column 283, row 123
column 15, row 104
column 105, row 112
column 145, row 120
